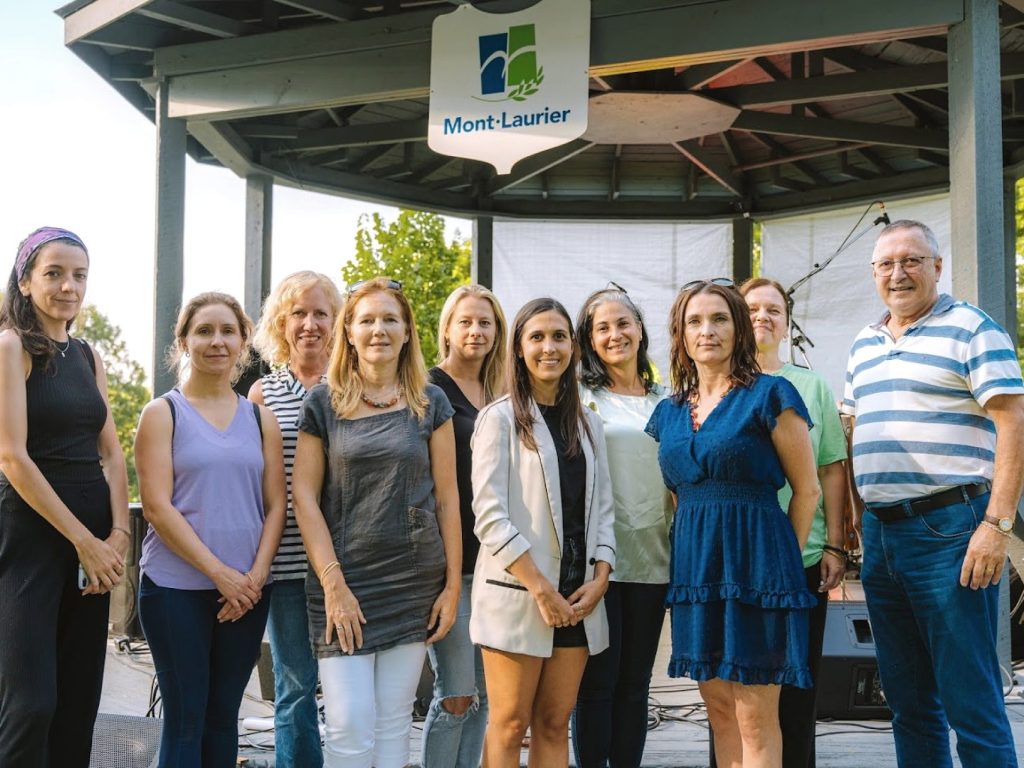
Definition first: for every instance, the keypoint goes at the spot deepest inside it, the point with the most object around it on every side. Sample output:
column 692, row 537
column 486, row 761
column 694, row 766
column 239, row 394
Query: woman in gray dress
column 376, row 500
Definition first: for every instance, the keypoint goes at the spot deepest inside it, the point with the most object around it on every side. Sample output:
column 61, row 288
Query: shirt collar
column 944, row 304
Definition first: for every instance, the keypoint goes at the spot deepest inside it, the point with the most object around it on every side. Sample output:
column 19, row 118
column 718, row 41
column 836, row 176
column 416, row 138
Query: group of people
column 522, row 513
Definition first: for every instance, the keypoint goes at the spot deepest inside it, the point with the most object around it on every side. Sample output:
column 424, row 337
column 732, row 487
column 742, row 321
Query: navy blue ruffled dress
column 737, row 593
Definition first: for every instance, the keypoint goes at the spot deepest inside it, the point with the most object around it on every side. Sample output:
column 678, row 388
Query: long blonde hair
column 343, row 375
column 492, row 372
column 269, row 338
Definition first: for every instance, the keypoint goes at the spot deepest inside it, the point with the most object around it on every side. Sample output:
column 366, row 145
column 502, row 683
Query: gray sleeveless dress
column 378, row 501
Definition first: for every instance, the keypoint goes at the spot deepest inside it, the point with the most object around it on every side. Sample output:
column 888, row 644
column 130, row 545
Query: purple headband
column 36, row 240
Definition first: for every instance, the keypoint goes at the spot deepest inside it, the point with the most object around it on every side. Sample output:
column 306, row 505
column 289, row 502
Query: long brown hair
column 492, row 372
column 744, row 352
column 521, row 392
column 175, row 356
column 343, row 375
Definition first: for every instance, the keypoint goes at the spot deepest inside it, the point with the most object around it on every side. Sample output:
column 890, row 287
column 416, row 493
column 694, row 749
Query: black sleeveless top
column 65, row 413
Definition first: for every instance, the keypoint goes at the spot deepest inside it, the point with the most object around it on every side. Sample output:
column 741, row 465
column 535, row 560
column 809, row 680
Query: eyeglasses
column 911, row 265
column 394, row 285
column 725, row 282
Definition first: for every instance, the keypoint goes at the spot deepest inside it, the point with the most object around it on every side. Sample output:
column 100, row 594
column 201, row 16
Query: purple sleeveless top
column 218, row 489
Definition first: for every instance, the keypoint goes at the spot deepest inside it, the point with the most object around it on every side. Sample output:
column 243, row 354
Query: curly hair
column 683, row 370
column 269, row 340
column 175, row 357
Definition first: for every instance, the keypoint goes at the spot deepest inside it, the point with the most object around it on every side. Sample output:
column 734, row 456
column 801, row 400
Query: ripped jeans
column 449, row 740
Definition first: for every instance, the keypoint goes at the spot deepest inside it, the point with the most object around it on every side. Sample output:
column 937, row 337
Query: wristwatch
column 1004, row 524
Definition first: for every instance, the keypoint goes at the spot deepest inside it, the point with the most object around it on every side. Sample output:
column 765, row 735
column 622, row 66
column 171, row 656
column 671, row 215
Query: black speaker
column 124, row 602
column 849, row 687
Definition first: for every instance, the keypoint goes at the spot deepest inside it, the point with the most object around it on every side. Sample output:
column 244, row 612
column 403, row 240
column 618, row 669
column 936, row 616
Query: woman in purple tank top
column 211, row 476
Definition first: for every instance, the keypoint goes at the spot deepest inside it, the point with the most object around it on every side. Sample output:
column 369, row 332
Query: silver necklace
column 67, row 346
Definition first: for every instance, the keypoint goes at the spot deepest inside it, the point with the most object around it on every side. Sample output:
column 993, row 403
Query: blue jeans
column 449, row 740
column 609, row 724
column 296, row 726
column 936, row 640
column 202, row 666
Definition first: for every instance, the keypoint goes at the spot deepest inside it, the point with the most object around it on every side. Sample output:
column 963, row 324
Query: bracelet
column 835, row 551
column 996, row 528
column 122, row 530
column 328, row 568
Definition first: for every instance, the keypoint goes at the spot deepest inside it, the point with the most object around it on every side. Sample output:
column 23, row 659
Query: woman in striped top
column 294, row 336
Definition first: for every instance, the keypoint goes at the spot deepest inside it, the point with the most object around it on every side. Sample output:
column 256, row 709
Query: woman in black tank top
column 63, row 510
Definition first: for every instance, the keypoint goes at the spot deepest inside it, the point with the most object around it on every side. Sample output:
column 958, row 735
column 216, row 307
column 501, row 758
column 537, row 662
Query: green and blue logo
column 508, row 64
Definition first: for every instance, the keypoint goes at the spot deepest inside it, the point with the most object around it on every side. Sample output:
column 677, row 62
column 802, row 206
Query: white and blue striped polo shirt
column 919, row 401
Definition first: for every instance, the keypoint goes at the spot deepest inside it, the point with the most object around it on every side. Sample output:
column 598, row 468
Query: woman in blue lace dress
column 729, row 438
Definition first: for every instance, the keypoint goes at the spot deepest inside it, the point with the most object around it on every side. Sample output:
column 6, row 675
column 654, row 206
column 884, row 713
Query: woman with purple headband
column 63, row 510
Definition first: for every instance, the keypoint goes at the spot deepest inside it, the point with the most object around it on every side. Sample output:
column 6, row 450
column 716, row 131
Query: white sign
column 504, row 86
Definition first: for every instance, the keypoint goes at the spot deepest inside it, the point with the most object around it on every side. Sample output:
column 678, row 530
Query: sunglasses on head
column 725, row 282
column 394, row 285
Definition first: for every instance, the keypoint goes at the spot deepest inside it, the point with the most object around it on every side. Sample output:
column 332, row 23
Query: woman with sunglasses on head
column 609, row 724
column 730, row 437
column 544, row 517
column 471, row 343
column 63, row 510
column 294, row 337
column 377, row 503
column 824, row 558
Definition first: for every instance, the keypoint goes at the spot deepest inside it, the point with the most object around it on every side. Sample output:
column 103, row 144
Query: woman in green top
column 609, row 724
column 823, row 556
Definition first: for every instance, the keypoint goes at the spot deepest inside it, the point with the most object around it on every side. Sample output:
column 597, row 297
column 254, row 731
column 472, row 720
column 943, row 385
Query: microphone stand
column 797, row 337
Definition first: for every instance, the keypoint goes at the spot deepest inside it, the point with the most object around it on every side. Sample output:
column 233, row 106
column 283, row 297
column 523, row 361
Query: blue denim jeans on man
column 296, row 725
column 450, row 740
column 936, row 640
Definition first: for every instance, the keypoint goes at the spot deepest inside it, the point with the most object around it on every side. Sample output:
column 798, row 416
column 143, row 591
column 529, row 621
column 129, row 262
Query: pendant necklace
column 64, row 351
column 382, row 403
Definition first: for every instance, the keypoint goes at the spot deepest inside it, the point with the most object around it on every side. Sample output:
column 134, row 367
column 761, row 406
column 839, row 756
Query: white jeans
column 368, row 706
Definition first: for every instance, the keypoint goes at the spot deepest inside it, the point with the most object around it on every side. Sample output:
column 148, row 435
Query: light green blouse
column 643, row 506
column 827, row 440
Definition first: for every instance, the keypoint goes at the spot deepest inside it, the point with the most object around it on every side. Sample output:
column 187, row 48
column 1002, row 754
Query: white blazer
column 518, row 507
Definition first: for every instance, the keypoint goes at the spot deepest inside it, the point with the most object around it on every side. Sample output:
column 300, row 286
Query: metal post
column 742, row 249
column 975, row 169
column 483, row 251
column 259, row 198
column 168, row 267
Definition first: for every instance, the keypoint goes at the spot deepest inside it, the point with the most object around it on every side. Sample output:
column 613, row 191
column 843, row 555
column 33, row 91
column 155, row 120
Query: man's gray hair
column 923, row 228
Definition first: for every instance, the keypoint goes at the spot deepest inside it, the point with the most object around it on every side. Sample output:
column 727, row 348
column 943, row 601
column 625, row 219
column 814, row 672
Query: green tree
column 412, row 250
column 126, row 382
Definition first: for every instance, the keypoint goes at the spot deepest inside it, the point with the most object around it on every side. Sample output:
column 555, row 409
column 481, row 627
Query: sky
column 78, row 156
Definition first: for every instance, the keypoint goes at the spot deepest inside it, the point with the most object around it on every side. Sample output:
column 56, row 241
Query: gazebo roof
column 698, row 109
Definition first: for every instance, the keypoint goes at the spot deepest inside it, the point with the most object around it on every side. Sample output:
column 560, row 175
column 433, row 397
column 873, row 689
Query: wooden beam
column 363, row 135
column 711, row 165
column 97, row 15
column 482, row 270
column 794, row 158
column 839, row 195
column 329, row 9
column 840, row 130
column 530, row 166
column 196, row 19
column 224, row 143
column 699, row 75
column 285, row 71
column 134, row 36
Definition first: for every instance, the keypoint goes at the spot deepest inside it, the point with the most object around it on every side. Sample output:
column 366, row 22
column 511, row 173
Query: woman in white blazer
column 544, row 516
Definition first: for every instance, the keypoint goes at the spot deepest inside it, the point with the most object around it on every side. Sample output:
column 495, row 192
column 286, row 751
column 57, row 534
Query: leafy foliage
column 412, row 250
column 126, row 381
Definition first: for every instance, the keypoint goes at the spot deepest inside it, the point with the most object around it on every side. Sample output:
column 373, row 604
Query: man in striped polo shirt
column 938, row 462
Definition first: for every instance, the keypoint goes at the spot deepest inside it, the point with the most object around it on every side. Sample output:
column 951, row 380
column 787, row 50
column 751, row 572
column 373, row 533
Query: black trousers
column 52, row 639
column 798, row 707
